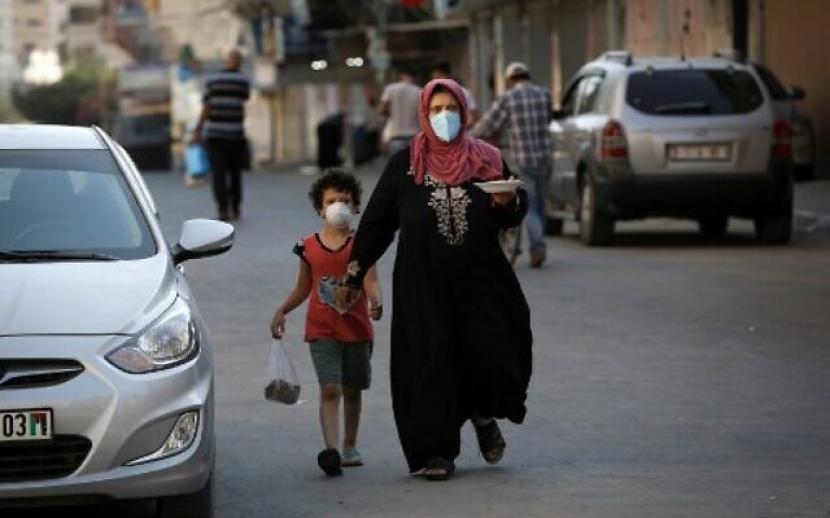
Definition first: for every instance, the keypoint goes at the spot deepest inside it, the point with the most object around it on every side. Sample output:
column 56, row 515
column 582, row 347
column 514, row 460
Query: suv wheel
column 195, row 505
column 595, row 227
column 713, row 226
column 774, row 230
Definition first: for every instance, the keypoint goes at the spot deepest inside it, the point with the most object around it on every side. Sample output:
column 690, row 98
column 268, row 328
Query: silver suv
column 688, row 138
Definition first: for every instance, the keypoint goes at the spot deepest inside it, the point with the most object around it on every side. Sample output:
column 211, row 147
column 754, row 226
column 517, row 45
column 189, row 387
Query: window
column 569, row 100
column 690, row 92
column 776, row 89
column 588, row 93
column 69, row 201
column 83, row 15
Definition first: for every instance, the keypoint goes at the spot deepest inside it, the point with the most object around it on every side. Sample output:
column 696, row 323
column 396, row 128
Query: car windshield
column 68, row 205
column 693, row 92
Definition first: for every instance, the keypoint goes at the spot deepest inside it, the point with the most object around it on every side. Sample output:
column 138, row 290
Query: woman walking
column 461, row 338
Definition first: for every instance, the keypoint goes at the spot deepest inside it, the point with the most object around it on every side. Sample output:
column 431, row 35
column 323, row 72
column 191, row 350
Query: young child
column 340, row 338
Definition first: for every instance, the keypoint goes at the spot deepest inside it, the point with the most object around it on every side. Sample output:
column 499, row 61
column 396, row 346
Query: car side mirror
column 203, row 238
column 797, row 93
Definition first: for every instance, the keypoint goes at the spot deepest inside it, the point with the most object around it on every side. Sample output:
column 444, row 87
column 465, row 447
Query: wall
column 654, row 27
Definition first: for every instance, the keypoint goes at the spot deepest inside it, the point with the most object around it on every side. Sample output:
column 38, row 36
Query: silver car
column 106, row 368
column 688, row 138
column 803, row 135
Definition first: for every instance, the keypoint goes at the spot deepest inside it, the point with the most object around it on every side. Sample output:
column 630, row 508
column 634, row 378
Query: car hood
column 100, row 297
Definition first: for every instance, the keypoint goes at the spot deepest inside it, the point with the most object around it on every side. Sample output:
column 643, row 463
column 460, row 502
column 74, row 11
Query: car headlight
column 169, row 341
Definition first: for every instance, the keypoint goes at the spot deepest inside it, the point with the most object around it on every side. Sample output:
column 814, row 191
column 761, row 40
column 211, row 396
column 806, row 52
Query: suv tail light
column 613, row 145
column 782, row 139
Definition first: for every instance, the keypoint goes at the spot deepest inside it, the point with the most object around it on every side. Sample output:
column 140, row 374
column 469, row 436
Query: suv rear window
column 693, row 92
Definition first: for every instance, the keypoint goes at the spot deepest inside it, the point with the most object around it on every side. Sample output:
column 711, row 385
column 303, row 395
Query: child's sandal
column 329, row 462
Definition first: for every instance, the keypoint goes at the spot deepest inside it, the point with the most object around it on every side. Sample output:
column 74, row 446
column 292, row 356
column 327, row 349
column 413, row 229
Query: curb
column 811, row 222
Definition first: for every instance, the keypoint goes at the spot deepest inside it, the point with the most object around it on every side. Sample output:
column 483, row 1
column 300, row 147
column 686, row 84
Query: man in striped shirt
column 221, row 125
column 525, row 112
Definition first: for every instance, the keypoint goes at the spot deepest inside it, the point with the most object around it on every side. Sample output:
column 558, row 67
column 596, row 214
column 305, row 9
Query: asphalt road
column 673, row 377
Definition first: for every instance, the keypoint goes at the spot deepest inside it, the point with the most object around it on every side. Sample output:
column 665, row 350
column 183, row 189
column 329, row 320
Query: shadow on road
column 125, row 509
column 674, row 239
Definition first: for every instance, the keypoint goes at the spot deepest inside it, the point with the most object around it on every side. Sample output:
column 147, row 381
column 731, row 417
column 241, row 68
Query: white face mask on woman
column 446, row 124
column 339, row 215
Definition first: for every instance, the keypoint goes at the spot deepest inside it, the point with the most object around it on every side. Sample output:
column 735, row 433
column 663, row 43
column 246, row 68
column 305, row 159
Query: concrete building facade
column 8, row 61
column 38, row 24
column 83, row 29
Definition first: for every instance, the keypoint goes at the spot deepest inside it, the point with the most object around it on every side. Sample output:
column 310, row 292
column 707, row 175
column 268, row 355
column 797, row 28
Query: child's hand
column 376, row 310
column 278, row 325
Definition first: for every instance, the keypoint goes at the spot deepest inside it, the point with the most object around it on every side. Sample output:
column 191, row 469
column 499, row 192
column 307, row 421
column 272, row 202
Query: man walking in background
column 221, row 121
column 525, row 111
column 399, row 103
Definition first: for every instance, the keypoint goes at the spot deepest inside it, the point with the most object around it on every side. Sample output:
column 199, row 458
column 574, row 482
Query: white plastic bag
column 283, row 382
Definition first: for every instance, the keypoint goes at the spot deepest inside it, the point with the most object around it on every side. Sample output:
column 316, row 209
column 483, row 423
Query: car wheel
column 595, row 227
column 554, row 226
column 713, row 226
column 194, row 505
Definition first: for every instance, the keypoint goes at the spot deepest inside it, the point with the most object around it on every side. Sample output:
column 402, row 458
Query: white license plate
column 700, row 152
column 26, row 425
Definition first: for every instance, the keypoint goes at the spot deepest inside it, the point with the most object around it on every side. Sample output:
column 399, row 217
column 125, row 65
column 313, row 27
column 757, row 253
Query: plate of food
column 497, row 186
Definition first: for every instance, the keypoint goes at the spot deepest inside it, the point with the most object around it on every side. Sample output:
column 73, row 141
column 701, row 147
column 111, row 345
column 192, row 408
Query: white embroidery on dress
column 450, row 205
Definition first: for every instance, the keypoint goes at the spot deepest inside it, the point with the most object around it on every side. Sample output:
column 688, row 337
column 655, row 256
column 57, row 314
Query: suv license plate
column 700, row 153
column 26, row 425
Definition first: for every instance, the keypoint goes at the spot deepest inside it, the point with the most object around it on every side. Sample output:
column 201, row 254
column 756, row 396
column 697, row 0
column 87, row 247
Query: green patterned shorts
column 341, row 363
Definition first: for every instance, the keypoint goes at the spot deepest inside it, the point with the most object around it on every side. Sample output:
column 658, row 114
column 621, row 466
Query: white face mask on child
column 339, row 215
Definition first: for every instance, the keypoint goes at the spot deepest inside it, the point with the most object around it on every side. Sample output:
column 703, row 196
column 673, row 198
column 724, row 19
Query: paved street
column 672, row 376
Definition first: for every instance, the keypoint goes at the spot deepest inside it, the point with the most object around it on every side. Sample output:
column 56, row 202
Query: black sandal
column 444, row 469
column 329, row 462
column 490, row 441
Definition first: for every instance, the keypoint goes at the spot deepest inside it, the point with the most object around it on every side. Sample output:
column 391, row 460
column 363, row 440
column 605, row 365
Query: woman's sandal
column 438, row 468
column 490, row 441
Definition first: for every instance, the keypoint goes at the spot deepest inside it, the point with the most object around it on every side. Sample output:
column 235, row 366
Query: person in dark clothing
column 222, row 118
column 461, row 338
column 329, row 140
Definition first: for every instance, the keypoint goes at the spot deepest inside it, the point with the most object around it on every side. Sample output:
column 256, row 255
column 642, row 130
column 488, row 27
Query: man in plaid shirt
column 525, row 109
